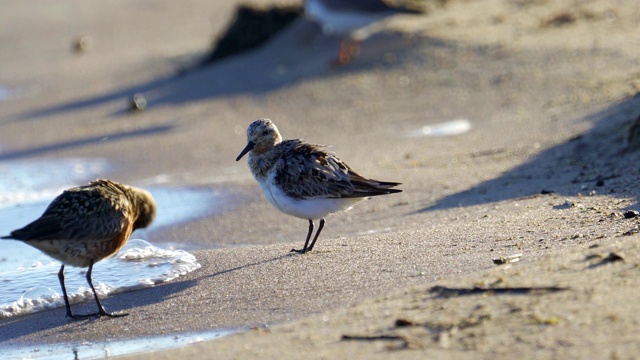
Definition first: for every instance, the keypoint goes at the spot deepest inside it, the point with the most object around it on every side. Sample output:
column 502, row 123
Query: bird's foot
column 94, row 315
column 301, row 251
column 112, row 315
column 80, row 316
column 337, row 63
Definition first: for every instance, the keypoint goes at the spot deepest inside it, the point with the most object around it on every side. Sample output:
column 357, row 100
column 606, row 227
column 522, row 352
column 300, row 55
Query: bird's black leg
column 304, row 249
column 101, row 311
column 317, row 234
column 64, row 294
column 66, row 298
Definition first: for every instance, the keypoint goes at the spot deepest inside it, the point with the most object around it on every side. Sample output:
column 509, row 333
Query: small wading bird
column 86, row 224
column 352, row 20
column 302, row 179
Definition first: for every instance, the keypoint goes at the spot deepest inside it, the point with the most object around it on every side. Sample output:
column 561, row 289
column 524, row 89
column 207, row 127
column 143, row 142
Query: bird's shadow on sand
column 300, row 52
column 597, row 161
column 126, row 302
column 257, row 263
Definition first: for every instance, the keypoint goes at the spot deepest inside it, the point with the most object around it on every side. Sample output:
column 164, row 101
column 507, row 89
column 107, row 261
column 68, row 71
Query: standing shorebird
column 86, row 224
column 352, row 20
column 302, row 179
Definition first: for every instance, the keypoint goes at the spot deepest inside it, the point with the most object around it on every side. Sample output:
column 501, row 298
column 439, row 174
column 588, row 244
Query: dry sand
column 548, row 86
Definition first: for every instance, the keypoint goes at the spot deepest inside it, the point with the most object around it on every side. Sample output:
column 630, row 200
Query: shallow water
column 106, row 349
column 28, row 277
column 138, row 265
column 32, row 181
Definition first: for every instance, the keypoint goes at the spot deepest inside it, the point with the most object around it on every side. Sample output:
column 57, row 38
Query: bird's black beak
column 249, row 147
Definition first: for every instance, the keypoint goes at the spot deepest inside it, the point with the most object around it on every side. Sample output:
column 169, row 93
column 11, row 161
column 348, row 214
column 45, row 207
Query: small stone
column 507, row 259
column 138, row 103
column 83, row 44
column 631, row 214
column 600, row 182
column 404, row 323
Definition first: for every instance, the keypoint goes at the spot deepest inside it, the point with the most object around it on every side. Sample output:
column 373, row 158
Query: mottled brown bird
column 86, row 224
column 303, row 179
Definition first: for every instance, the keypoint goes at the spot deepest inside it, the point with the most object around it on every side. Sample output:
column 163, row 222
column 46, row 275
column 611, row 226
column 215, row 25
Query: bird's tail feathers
column 388, row 184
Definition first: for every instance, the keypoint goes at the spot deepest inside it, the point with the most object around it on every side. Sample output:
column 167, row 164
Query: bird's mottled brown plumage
column 311, row 172
column 86, row 224
column 89, row 222
column 303, row 170
column 303, row 179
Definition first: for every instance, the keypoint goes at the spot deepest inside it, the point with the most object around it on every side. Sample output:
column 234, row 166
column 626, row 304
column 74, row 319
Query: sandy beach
column 544, row 173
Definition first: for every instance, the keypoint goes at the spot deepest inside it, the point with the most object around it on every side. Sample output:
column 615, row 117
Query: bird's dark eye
column 265, row 133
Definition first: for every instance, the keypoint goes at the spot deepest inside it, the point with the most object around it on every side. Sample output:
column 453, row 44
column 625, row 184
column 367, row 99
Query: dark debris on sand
column 252, row 26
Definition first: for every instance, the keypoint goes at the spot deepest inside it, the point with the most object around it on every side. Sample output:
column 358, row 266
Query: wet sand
column 544, row 171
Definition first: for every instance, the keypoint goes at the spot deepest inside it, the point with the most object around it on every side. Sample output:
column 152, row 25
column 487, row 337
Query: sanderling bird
column 86, row 224
column 304, row 180
column 353, row 20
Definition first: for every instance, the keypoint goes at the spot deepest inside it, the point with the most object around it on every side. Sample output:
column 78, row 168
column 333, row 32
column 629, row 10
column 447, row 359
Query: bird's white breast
column 313, row 208
column 338, row 22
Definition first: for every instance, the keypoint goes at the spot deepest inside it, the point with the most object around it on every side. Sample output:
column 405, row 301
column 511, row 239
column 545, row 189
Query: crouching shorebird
column 353, row 20
column 86, row 224
column 303, row 180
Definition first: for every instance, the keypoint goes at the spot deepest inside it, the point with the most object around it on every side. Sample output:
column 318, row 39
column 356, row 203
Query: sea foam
column 138, row 265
